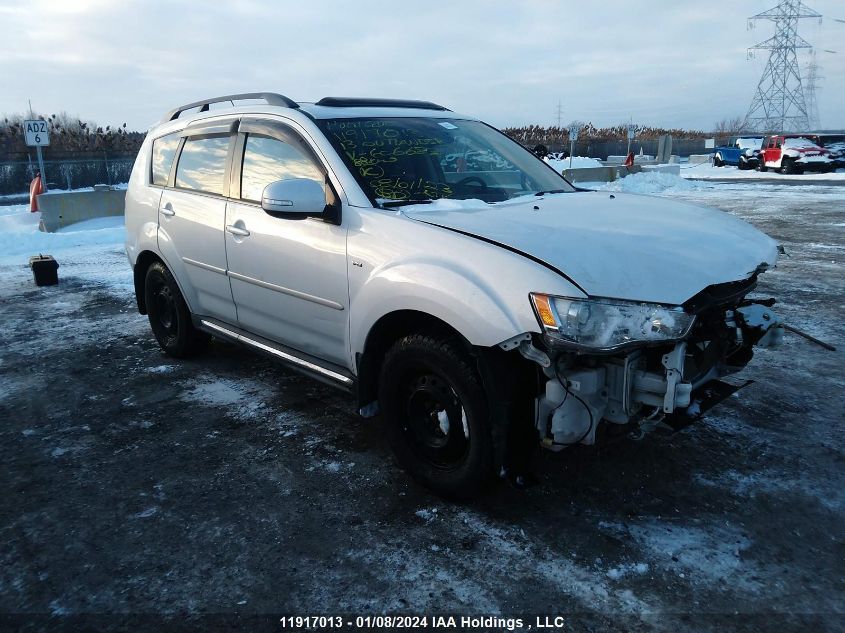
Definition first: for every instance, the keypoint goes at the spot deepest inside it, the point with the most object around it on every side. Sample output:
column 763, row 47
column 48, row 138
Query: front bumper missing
column 671, row 385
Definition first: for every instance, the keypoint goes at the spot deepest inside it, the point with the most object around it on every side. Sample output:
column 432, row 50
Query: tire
column 717, row 161
column 436, row 413
column 742, row 165
column 169, row 316
column 761, row 166
column 787, row 166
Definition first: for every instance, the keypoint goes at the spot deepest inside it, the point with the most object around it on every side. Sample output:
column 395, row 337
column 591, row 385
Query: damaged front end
column 626, row 363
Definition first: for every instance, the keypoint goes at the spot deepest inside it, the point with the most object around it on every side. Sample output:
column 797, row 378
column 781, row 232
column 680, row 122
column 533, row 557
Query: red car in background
column 793, row 154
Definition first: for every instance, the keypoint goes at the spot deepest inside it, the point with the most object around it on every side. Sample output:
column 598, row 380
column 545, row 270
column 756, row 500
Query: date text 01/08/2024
column 420, row 622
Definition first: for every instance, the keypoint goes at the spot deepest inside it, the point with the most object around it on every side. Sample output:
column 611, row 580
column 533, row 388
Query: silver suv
column 442, row 273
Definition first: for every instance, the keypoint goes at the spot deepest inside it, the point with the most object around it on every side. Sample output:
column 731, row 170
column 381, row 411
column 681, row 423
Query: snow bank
column 91, row 250
column 649, row 183
column 577, row 163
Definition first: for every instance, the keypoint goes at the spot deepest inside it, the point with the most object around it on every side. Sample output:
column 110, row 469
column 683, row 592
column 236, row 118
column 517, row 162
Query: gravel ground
column 138, row 485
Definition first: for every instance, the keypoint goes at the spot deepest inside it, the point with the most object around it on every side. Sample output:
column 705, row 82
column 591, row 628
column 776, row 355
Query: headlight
column 749, row 152
column 605, row 324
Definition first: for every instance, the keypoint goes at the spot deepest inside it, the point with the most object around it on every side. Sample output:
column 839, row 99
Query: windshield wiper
column 543, row 193
column 387, row 204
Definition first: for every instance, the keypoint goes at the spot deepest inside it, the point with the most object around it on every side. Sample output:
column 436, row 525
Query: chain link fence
column 74, row 171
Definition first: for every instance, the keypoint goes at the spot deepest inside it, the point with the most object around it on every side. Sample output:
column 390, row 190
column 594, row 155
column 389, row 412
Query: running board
column 304, row 363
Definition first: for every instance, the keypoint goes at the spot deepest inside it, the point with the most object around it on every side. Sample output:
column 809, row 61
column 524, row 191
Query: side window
column 202, row 164
column 778, row 142
column 269, row 159
column 163, row 152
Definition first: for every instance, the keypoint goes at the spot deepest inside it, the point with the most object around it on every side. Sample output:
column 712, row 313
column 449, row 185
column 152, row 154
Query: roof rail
column 271, row 98
column 355, row 102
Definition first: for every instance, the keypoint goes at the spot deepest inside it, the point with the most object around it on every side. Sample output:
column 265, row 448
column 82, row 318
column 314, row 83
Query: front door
column 773, row 153
column 288, row 275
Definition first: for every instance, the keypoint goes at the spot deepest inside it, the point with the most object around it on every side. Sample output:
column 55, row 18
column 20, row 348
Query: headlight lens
column 608, row 324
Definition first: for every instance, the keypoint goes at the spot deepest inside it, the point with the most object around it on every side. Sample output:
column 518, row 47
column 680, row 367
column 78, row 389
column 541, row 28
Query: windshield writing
column 419, row 158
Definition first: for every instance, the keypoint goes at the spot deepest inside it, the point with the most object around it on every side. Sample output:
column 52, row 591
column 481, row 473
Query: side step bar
column 330, row 374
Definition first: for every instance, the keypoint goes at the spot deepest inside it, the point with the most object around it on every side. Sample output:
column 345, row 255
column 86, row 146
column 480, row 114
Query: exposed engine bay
column 649, row 382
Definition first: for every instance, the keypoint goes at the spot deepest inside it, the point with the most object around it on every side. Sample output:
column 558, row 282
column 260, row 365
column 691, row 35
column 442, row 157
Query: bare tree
column 729, row 127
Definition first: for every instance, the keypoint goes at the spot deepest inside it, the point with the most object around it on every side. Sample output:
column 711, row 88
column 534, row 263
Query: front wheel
column 170, row 318
column 788, row 166
column 435, row 408
column 761, row 166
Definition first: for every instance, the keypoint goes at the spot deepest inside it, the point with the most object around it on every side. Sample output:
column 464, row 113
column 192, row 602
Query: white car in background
column 440, row 272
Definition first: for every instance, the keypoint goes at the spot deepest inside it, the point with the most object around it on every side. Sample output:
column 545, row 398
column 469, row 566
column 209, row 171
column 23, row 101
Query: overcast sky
column 662, row 62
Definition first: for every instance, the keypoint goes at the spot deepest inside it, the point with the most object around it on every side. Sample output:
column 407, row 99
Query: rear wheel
column 717, row 161
column 169, row 316
column 435, row 408
column 761, row 166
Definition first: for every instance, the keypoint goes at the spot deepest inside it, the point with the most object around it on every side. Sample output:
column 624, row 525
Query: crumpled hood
column 622, row 246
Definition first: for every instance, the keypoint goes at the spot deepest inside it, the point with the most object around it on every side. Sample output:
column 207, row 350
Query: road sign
column 36, row 133
column 632, row 132
column 573, row 133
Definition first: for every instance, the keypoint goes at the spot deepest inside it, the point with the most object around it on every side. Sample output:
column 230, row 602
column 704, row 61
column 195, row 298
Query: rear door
column 192, row 213
column 288, row 275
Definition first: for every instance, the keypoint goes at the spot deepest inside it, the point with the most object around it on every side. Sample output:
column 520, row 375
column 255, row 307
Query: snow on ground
column 90, row 251
column 708, row 171
column 577, row 163
column 299, row 501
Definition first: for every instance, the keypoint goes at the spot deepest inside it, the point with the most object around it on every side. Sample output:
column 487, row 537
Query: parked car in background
column 835, row 144
column 741, row 151
column 794, row 154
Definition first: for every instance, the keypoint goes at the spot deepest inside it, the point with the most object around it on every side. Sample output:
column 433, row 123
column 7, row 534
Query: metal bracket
column 527, row 349
column 674, row 364
column 513, row 342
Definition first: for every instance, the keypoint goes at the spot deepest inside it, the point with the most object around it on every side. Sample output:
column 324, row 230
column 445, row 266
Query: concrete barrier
column 61, row 209
column 599, row 174
column 675, row 170
column 700, row 159
column 639, row 159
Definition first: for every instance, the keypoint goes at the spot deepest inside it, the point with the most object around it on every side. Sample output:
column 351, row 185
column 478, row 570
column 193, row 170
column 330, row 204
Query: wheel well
column 142, row 265
column 384, row 333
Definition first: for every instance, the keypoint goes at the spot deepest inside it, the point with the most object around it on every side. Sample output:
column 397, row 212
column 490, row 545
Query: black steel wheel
column 169, row 316
column 437, row 417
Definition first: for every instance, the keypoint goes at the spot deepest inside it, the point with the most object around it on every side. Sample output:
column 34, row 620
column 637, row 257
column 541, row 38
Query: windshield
column 749, row 143
column 800, row 142
column 428, row 159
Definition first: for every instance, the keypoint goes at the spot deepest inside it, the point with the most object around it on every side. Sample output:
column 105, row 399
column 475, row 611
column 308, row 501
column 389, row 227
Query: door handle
column 237, row 230
column 168, row 210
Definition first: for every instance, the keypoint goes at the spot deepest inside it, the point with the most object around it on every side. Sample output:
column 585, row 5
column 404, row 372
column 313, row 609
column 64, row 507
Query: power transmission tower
column 779, row 103
column 559, row 113
column 810, row 86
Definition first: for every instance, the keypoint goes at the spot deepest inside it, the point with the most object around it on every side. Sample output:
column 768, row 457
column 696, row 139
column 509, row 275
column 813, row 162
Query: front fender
column 452, row 294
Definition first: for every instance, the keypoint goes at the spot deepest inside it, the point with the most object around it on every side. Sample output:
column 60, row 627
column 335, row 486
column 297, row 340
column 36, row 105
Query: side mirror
column 299, row 196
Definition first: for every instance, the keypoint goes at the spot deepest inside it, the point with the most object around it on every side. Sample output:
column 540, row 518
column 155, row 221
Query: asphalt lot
column 136, row 484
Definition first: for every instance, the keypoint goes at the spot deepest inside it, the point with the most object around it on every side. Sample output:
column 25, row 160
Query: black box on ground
column 45, row 270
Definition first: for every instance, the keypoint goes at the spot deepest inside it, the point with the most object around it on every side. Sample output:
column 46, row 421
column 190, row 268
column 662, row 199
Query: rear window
column 164, row 150
column 202, row 164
